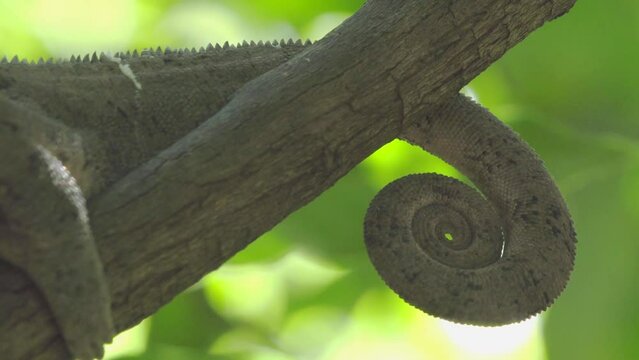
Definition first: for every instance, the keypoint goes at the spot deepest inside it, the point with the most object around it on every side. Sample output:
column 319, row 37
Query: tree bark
column 286, row 137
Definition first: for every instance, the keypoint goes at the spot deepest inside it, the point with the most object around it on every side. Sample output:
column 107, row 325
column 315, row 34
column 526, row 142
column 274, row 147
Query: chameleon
column 82, row 124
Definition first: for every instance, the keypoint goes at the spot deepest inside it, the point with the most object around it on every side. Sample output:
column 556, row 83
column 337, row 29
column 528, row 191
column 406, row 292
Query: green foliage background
column 306, row 289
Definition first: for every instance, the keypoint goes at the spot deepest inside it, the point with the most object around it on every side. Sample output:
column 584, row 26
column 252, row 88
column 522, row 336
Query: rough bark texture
column 282, row 140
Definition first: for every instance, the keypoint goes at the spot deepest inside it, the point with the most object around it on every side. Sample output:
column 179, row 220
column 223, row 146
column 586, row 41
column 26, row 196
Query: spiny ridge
column 157, row 52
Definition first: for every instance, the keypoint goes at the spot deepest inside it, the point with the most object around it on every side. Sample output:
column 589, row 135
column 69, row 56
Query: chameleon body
column 45, row 106
column 123, row 109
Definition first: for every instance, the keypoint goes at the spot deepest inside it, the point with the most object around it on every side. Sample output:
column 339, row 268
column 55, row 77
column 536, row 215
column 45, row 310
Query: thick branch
column 284, row 139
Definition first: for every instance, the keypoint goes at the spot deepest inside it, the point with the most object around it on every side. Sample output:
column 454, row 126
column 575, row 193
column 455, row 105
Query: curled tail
column 489, row 258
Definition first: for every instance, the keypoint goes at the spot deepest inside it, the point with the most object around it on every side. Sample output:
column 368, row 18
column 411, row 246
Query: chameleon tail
column 449, row 251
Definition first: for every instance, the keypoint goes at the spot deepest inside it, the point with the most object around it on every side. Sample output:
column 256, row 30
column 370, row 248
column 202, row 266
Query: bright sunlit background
column 306, row 290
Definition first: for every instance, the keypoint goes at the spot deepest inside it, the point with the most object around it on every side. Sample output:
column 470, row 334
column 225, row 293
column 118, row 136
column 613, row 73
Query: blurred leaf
column 240, row 341
column 199, row 23
column 187, row 322
column 308, row 331
column 296, row 12
column 166, row 352
column 16, row 37
column 323, row 24
column 331, row 224
column 80, row 31
column 305, row 275
column 582, row 69
column 130, row 343
column 250, row 294
column 268, row 248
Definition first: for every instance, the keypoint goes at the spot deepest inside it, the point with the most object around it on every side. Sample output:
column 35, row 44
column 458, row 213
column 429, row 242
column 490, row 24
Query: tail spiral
column 452, row 253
